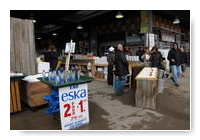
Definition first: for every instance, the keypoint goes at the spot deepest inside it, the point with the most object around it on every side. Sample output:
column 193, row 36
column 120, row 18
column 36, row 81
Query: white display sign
column 70, row 47
column 74, row 110
column 43, row 66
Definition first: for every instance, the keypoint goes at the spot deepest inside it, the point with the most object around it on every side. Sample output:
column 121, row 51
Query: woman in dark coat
column 156, row 58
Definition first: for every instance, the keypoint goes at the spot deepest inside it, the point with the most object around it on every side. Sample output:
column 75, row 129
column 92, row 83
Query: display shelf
column 162, row 28
column 101, row 65
column 102, row 72
column 83, row 79
column 82, row 65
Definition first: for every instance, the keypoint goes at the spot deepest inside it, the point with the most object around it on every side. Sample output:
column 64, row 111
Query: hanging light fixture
column 79, row 27
column 32, row 18
column 176, row 21
column 54, row 34
column 119, row 15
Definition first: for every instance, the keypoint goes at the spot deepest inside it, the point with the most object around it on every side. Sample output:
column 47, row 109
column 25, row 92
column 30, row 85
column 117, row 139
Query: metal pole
column 68, row 59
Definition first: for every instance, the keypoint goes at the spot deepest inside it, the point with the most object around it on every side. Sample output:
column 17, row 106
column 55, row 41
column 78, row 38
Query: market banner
column 144, row 21
column 74, row 110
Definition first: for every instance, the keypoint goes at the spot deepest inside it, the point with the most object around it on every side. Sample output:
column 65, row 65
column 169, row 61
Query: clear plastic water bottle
column 49, row 76
column 73, row 77
column 54, row 76
column 78, row 75
column 62, row 77
column 43, row 75
column 67, row 77
column 58, row 72
column 57, row 80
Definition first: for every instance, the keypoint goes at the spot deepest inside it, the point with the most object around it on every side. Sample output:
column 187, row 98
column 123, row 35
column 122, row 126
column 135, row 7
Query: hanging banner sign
column 74, row 110
column 144, row 21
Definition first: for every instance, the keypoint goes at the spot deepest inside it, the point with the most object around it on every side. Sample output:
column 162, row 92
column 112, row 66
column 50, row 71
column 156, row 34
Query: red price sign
column 70, row 108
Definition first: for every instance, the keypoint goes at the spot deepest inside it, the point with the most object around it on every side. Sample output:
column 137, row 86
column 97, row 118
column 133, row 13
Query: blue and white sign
column 74, row 110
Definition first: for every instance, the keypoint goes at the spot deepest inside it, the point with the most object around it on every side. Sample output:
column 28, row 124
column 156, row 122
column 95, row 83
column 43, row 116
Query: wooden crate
column 34, row 92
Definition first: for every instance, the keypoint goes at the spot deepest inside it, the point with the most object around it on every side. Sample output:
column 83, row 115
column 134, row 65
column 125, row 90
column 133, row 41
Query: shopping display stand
column 15, row 103
column 146, row 88
column 70, row 99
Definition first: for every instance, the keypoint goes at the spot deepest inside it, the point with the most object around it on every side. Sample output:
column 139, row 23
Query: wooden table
column 146, row 88
column 15, row 103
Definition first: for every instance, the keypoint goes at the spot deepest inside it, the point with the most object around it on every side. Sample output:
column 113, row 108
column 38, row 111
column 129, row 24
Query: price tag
column 73, row 106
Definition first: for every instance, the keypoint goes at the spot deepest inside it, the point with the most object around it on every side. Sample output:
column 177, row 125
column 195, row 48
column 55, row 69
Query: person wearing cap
column 110, row 59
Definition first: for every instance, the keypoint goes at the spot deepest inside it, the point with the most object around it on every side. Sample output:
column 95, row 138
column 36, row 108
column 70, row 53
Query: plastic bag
column 117, row 85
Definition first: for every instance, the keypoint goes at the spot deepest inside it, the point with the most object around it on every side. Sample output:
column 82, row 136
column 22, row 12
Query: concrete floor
column 111, row 112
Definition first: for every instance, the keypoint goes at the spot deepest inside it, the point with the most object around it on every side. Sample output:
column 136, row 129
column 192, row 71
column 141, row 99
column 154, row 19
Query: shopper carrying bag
column 121, row 70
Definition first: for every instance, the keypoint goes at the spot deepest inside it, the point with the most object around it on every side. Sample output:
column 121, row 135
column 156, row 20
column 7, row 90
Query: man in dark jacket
column 121, row 66
column 174, row 57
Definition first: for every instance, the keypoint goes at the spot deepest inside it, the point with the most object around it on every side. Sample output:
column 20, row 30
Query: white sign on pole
column 74, row 110
column 70, row 47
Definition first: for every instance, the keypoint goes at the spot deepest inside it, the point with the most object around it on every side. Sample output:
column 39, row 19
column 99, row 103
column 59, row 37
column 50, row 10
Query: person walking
column 183, row 60
column 121, row 68
column 174, row 57
column 110, row 59
column 156, row 58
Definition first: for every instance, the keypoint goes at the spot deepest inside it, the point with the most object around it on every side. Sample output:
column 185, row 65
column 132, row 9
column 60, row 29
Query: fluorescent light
column 176, row 21
column 54, row 34
column 119, row 15
column 39, row 38
column 32, row 18
column 79, row 27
